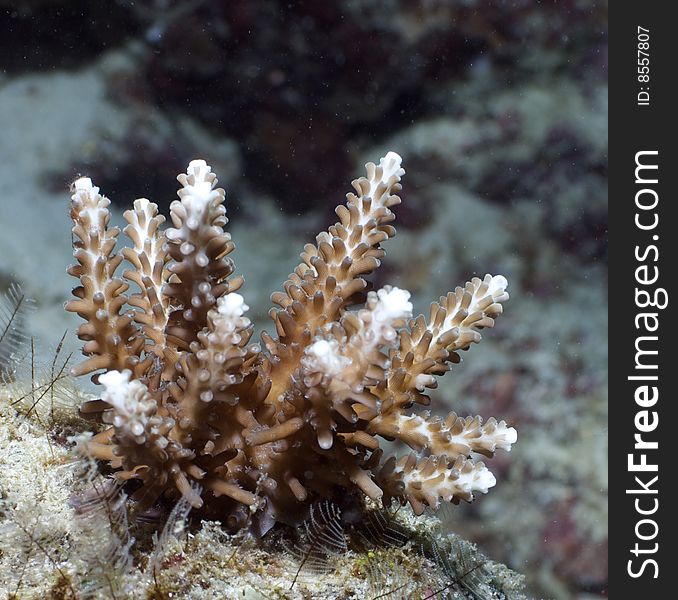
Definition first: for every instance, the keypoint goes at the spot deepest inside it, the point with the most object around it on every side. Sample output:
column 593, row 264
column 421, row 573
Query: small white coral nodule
column 193, row 405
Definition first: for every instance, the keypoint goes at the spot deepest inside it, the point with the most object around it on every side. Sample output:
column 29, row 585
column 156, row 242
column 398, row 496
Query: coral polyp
column 253, row 432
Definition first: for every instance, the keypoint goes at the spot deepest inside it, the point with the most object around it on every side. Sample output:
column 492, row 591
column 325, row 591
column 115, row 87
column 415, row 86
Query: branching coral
column 196, row 410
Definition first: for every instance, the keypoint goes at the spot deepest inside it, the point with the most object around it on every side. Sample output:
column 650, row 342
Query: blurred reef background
column 499, row 110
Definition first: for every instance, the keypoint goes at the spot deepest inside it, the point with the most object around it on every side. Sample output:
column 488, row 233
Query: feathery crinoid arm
column 148, row 257
column 199, row 248
column 330, row 276
column 111, row 339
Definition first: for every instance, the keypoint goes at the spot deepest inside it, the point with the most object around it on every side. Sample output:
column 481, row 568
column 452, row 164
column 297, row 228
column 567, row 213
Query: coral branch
column 148, row 258
column 454, row 436
column 330, row 277
column 425, row 482
column 111, row 340
column 426, row 350
column 198, row 247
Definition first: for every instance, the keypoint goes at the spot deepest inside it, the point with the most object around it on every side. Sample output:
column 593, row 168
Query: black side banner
column 642, row 334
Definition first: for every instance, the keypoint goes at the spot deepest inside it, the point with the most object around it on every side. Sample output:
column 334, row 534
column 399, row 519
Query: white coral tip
column 484, row 480
column 142, row 204
column 118, row 389
column 325, row 356
column 115, row 382
column 82, row 184
column 199, row 194
column 498, row 284
column 391, row 165
column 232, row 306
column 392, row 157
column 322, row 349
column 199, row 168
column 84, row 189
column 393, row 304
column 508, row 438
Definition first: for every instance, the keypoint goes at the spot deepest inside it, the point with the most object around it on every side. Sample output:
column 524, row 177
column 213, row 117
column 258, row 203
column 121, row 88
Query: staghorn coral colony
column 254, row 434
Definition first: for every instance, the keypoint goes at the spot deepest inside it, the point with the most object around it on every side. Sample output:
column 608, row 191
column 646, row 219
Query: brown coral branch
column 424, row 482
column 426, row 350
column 330, row 276
column 111, row 339
column 148, row 258
column 453, row 436
column 199, row 248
